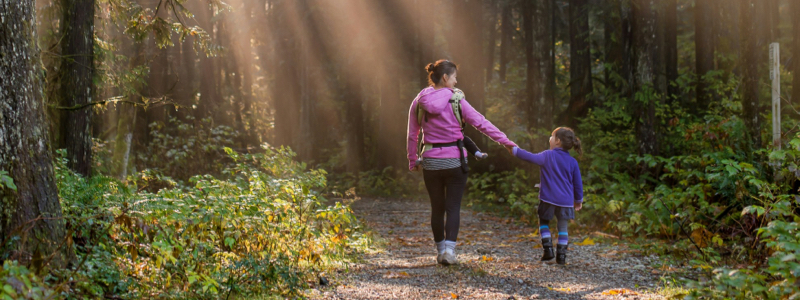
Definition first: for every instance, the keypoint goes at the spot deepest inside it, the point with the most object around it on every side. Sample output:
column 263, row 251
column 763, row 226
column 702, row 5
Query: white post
column 775, row 76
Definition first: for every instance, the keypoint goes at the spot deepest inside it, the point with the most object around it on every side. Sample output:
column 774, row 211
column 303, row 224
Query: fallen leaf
column 615, row 292
column 586, row 242
column 392, row 274
column 487, row 258
column 454, row 296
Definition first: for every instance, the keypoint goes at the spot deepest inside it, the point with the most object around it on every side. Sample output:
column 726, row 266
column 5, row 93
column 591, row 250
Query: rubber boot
column 547, row 245
column 561, row 255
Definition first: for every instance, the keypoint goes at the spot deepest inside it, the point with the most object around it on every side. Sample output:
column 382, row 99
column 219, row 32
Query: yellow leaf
column 487, row 258
column 619, row 292
column 454, row 296
column 586, row 242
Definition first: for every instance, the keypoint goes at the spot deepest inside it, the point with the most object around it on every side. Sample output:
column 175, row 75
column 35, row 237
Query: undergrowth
column 263, row 228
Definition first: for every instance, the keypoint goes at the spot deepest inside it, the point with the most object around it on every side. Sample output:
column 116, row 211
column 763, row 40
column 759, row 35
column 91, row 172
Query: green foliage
column 260, row 229
column 181, row 149
column 509, row 189
column 6, row 182
column 20, row 283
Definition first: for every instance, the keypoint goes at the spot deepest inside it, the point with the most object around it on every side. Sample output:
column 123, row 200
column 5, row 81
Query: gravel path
column 499, row 260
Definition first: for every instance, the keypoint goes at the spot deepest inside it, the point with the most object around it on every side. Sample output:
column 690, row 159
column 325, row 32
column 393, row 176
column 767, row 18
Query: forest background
column 200, row 137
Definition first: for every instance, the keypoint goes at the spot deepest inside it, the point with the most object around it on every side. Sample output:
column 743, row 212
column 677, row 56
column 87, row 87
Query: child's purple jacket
column 443, row 127
column 561, row 178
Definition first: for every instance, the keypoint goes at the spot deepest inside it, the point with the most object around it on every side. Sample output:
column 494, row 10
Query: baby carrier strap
column 455, row 105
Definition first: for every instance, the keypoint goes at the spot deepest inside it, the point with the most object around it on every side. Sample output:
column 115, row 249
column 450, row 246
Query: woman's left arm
column 477, row 120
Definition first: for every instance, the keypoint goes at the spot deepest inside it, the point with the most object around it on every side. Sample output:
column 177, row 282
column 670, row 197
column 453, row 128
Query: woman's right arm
column 413, row 134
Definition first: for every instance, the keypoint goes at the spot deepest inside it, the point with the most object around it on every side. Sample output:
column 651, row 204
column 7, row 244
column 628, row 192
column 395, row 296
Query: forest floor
column 499, row 259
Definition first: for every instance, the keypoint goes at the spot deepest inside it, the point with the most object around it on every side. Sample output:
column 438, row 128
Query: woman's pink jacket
column 442, row 126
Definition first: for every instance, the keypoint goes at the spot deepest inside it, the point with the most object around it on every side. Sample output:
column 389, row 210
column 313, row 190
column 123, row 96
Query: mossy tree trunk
column 580, row 70
column 646, row 64
column 76, row 88
column 32, row 211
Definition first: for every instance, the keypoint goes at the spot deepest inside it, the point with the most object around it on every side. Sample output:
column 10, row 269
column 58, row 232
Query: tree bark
column 492, row 45
column 506, row 35
column 426, row 23
column 76, row 87
column 751, row 52
column 580, row 69
column 645, row 73
column 287, row 89
column 466, row 46
column 795, row 8
column 126, row 121
column 540, row 83
column 671, row 48
column 704, row 51
column 614, row 35
column 32, row 211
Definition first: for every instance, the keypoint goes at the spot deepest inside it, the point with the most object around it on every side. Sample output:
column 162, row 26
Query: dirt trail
column 499, row 260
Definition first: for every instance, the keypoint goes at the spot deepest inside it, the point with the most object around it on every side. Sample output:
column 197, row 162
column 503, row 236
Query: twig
column 680, row 224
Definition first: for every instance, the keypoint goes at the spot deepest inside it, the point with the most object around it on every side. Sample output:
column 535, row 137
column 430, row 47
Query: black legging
column 445, row 187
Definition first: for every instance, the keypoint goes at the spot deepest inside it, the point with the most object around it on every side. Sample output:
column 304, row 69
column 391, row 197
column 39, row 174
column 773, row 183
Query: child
column 561, row 192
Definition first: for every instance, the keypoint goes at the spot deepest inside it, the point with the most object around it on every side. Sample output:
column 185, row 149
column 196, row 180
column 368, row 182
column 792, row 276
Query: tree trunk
column 426, row 22
column 613, row 35
column 506, row 35
column 728, row 39
column 751, row 52
column 795, row 8
column 671, row 48
column 644, row 80
column 355, row 130
column 540, row 83
column 492, row 45
column 466, row 46
column 287, row 88
column 76, row 87
column 580, row 69
column 31, row 211
column 704, row 51
column 126, row 122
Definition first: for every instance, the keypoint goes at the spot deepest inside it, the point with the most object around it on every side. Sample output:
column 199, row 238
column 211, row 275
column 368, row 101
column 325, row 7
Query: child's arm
column 577, row 185
column 537, row 158
column 470, row 145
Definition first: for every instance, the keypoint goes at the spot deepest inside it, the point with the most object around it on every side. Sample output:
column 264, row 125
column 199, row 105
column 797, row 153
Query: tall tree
column 580, row 66
column 751, row 52
column 704, row 50
column 77, row 89
column 32, row 210
column 671, row 47
column 615, row 37
column 540, row 84
column 506, row 34
column 644, row 79
column 795, row 8
column 466, row 45
column 425, row 44
column 492, row 44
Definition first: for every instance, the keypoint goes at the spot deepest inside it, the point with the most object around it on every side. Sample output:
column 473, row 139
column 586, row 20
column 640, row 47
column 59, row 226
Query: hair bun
column 429, row 68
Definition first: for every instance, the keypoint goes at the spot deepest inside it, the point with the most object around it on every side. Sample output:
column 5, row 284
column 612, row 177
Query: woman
column 445, row 179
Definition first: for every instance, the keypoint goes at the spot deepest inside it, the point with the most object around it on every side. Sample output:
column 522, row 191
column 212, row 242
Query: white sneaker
column 439, row 258
column 449, row 257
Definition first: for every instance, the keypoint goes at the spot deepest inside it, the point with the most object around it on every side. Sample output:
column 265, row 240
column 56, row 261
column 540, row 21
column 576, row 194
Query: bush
column 262, row 229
